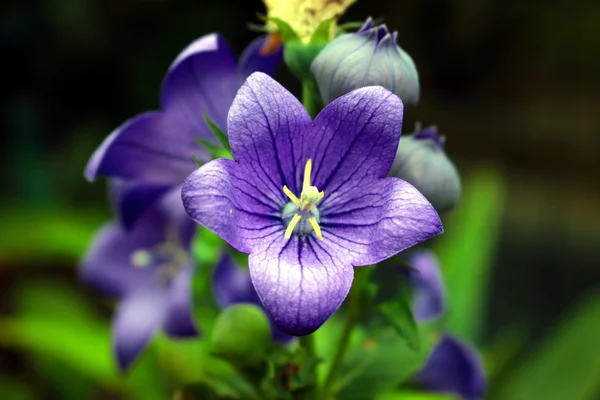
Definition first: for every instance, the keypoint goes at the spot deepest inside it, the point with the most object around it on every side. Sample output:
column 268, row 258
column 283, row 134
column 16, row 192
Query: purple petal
column 154, row 147
column 232, row 284
column 171, row 206
column 179, row 322
column 454, row 367
column 134, row 198
column 377, row 221
column 107, row 263
column 429, row 292
column 252, row 61
column 136, row 320
column 204, row 76
column 299, row 282
column 266, row 125
column 221, row 198
column 354, row 141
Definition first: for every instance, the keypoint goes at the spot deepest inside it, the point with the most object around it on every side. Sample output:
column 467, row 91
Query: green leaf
column 406, row 395
column 219, row 134
column 215, row 151
column 566, row 365
column 197, row 161
column 467, row 251
column 323, row 32
column 287, row 33
column 381, row 363
column 399, row 314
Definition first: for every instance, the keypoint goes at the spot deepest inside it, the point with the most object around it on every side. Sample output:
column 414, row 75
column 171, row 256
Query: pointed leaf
column 219, row 134
column 399, row 314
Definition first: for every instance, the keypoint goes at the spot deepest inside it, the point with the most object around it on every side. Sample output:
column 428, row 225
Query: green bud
column 242, row 334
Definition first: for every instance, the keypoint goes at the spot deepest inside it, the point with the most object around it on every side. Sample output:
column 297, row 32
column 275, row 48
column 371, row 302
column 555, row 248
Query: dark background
column 511, row 83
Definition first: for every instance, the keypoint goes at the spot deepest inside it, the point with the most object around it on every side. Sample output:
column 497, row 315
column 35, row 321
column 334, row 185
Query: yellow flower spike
column 291, row 195
column 290, row 228
column 307, row 172
column 304, row 16
column 316, row 227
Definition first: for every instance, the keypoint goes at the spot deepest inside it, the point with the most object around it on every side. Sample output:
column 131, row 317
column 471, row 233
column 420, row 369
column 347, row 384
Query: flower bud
column 422, row 162
column 367, row 57
column 242, row 334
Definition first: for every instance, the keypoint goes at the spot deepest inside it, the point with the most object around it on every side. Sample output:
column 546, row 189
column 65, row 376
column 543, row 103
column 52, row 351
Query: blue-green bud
column 242, row 334
column 367, row 57
column 422, row 162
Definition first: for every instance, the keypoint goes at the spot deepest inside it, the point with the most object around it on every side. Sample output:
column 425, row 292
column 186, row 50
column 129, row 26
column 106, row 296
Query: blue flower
column 309, row 200
column 158, row 147
column 368, row 57
column 453, row 366
column 148, row 269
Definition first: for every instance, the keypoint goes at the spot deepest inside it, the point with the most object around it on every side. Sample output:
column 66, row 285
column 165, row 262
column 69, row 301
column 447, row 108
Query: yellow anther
column 291, row 195
column 290, row 228
column 307, row 171
column 321, row 195
column 316, row 227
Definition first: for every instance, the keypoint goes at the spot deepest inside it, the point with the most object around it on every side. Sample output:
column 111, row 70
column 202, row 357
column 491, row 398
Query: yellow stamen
column 307, row 171
column 291, row 195
column 316, row 227
column 321, row 195
column 290, row 228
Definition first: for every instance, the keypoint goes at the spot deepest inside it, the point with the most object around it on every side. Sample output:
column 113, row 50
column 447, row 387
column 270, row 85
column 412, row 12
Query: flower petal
column 136, row 320
column 252, row 60
column 153, row 147
column 232, row 284
column 107, row 263
column 217, row 197
column 204, row 76
column 134, row 198
column 179, row 321
column 454, row 367
column 266, row 125
column 299, row 282
column 429, row 292
column 354, row 140
column 378, row 221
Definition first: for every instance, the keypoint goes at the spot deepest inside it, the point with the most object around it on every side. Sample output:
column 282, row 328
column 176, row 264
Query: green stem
column 352, row 317
column 308, row 343
column 308, row 98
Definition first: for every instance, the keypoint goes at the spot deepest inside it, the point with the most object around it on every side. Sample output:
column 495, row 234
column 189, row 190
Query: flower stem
column 308, row 98
column 352, row 317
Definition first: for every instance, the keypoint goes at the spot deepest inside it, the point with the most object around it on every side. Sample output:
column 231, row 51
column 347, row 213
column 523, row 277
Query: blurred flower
column 367, row 57
column 232, row 285
column 304, row 16
column 421, row 161
column 148, row 268
column 302, row 249
column 453, row 366
column 157, row 147
column 429, row 291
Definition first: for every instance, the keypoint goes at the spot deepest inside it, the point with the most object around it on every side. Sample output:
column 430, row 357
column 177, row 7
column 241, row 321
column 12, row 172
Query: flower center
column 301, row 216
column 166, row 259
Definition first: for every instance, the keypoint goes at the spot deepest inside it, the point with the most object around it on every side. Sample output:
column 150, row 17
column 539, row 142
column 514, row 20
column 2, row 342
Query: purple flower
column 454, row 367
column 148, row 268
column 303, row 249
column 232, row 285
column 429, row 292
column 157, row 147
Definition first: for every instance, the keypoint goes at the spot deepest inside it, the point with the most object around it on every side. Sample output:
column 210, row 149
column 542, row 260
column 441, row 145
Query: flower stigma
column 166, row 258
column 301, row 215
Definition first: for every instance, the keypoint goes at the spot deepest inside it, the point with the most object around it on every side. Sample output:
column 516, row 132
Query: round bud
column 242, row 334
column 367, row 57
column 422, row 162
